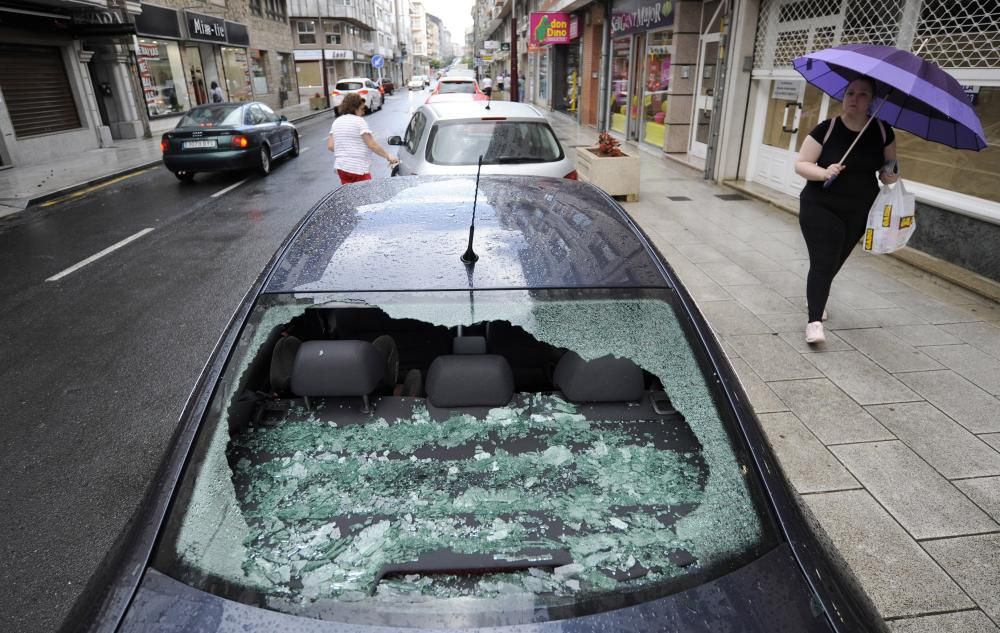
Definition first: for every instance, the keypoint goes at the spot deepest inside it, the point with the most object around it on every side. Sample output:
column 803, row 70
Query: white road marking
column 304, row 149
column 97, row 256
column 230, row 188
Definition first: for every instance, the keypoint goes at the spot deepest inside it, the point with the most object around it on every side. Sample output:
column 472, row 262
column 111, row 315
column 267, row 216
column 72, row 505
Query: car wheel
column 184, row 176
column 264, row 164
column 295, row 146
column 367, row 109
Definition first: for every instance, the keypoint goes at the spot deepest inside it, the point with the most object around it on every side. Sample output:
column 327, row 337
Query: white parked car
column 361, row 85
column 447, row 138
column 415, row 83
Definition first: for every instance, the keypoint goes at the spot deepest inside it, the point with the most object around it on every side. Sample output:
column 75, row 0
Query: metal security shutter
column 36, row 90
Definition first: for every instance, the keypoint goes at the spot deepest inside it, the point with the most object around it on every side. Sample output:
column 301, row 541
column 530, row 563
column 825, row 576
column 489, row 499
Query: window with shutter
column 36, row 90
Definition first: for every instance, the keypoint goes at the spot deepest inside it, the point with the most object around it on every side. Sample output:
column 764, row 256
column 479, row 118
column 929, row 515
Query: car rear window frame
column 229, row 109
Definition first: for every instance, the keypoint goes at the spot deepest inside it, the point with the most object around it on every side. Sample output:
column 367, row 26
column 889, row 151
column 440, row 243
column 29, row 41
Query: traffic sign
column 377, row 61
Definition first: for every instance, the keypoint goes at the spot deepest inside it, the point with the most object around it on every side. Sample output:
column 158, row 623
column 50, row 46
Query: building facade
column 333, row 40
column 418, row 31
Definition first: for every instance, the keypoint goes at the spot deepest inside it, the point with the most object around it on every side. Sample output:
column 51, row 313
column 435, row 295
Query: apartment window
column 276, row 10
column 307, row 32
column 255, row 7
column 332, row 38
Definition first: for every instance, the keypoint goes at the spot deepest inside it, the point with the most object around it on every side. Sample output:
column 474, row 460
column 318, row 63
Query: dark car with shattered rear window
column 548, row 438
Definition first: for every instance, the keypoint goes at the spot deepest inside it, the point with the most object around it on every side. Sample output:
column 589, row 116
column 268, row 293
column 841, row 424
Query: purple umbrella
column 914, row 94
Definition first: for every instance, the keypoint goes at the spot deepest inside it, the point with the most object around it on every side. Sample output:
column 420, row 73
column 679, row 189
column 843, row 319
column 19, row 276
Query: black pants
column 488, row 91
column 831, row 228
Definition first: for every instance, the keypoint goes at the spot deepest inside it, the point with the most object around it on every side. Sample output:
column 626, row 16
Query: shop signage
column 548, row 27
column 574, row 27
column 487, row 58
column 786, row 90
column 158, row 21
column 634, row 16
column 314, row 54
column 505, row 46
column 972, row 92
column 205, row 28
column 237, row 34
column 491, row 44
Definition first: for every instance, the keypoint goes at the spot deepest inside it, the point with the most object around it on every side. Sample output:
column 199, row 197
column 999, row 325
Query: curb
column 132, row 169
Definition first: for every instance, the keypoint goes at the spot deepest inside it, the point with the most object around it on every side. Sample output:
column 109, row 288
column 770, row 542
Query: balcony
column 332, row 9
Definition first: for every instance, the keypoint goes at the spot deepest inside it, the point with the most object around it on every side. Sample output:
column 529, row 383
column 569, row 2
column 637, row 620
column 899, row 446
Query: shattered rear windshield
column 396, row 509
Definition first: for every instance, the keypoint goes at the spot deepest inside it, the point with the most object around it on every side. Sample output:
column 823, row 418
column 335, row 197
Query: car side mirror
column 282, row 118
column 395, row 140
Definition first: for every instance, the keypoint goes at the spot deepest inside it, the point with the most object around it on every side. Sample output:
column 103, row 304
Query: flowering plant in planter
column 607, row 145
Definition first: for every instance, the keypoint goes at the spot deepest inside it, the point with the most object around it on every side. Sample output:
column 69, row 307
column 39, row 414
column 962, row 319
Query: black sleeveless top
column 858, row 181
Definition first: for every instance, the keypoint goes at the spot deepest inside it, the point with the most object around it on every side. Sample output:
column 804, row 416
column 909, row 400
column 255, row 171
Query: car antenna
column 469, row 257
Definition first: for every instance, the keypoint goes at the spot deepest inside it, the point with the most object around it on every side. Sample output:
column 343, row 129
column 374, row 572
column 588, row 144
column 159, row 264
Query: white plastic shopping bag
column 891, row 220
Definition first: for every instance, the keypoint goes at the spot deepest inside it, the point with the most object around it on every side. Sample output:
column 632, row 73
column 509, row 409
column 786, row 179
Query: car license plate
column 199, row 144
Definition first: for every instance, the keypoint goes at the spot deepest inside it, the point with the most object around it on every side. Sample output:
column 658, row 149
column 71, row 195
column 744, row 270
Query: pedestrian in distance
column 216, row 93
column 500, row 82
column 833, row 214
column 487, row 86
column 353, row 143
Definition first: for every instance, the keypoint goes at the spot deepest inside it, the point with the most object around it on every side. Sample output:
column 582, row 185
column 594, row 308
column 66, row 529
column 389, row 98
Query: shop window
column 962, row 171
column 237, row 70
column 620, row 58
column 162, row 76
column 543, row 75
column 306, row 32
column 657, row 78
column 285, row 59
column 258, row 69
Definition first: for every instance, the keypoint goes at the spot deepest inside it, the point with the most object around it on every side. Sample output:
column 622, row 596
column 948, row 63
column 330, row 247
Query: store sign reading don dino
column 633, row 16
column 548, row 27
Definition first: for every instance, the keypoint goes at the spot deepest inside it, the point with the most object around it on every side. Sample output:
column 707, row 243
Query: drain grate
column 679, row 198
column 730, row 196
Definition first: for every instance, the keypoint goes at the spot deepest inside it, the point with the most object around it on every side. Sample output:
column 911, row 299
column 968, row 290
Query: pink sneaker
column 814, row 333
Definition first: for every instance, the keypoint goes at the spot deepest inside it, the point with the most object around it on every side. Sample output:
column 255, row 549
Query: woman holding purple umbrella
column 833, row 215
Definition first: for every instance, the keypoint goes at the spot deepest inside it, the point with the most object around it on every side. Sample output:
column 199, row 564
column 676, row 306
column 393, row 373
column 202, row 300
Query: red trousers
column 347, row 177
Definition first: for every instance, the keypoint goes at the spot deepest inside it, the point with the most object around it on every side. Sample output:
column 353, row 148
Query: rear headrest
column 282, row 360
column 605, row 379
column 336, row 368
column 478, row 380
column 468, row 345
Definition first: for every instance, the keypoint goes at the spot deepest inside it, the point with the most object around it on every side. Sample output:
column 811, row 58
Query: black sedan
column 226, row 137
column 411, row 425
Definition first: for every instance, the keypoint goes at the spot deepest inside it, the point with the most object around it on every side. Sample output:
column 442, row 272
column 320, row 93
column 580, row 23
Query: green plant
column 607, row 145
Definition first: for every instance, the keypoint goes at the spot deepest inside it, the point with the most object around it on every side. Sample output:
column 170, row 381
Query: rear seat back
column 605, row 379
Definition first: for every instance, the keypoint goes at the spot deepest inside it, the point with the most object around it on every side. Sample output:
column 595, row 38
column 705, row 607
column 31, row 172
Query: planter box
column 617, row 175
column 317, row 103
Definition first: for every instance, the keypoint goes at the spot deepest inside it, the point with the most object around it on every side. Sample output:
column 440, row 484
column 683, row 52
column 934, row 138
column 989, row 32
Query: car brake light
column 240, row 142
column 336, row 93
column 571, row 175
column 164, row 144
column 363, row 92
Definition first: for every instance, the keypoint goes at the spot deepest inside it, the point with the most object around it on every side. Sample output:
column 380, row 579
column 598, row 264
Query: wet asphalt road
column 98, row 364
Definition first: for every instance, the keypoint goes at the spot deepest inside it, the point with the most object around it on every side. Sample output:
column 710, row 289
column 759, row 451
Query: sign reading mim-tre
column 205, row 28
column 633, row 16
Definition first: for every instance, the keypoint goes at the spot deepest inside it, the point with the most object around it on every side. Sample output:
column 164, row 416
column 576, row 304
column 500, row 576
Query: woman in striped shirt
column 354, row 142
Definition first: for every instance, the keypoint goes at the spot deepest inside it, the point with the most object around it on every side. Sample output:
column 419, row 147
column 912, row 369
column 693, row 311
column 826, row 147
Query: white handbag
column 891, row 220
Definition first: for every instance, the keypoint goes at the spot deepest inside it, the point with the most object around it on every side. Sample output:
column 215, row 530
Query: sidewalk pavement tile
column 974, row 562
column 943, row 443
column 874, row 280
column 829, row 412
column 772, row 358
column 842, row 316
column 857, row 296
column 944, row 291
column 701, row 253
column 761, row 397
column 779, row 251
column 958, row 398
column 755, row 262
column 762, row 300
column 975, row 365
column 796, row 339
column 899, row 576
column 891, row 353
column 791, row 323
column 861, row 378
column 983, row 336
column 930, row 309
column 729, row 318
column 958, row 622
column 808, row 465
column 924, row 335
column 894, row 316
column 993, row 439
column 728, row 274
column 784, row 282
column 984, row 492
column 926, row 504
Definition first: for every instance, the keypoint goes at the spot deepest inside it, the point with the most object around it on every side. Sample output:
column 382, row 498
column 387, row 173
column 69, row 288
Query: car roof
column 353, row 79
column 469, row 109
column 407, row 233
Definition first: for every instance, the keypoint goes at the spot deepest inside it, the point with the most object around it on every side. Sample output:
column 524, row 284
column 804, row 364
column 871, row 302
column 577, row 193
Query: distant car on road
column 415, row 83
column 389, row 439
column 458, row 85
column 424, row 79
column 226, row 137
column 448, row 138
column 387, row 85
column 364, row 87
